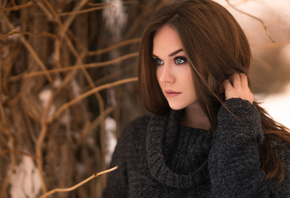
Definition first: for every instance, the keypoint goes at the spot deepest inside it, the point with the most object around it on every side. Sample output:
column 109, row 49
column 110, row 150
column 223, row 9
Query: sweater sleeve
column 234, row 163
column 117, row 181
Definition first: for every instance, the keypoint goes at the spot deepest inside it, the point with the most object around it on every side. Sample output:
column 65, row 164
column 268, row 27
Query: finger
column 244, row 80
column 236, row 80
column 228, row 89
column 227, row 85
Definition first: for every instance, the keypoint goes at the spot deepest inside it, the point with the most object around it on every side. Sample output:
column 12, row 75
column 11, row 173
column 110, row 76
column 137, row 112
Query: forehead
column 166, row 40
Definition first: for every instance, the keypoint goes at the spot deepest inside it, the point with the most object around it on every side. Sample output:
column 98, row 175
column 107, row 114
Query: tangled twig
column 30, row 49
column 17, row 7
column 92, row 91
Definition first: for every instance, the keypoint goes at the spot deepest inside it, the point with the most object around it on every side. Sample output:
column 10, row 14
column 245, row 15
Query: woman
column 206, row 137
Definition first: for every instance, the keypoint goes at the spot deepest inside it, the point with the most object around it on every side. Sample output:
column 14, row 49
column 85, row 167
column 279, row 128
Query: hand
column 239, row 88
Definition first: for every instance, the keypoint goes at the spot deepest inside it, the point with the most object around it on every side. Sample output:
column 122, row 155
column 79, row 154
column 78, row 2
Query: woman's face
column 172, row 69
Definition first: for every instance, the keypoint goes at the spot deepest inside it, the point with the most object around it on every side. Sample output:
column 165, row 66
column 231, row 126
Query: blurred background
column 267, row 26
column 68, row 84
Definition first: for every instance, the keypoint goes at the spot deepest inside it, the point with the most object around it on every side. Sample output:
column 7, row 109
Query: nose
column 165, row 74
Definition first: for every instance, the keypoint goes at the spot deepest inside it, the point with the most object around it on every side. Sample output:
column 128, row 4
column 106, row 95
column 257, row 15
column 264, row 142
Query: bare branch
column 92, row 91
column 118, row 45
column 5, row 36
column 95, row 175
column 254, row 17
column 91, row 65
column 17, row 7
column 84, row 11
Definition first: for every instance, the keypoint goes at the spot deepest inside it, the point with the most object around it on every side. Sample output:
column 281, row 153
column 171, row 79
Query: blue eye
column 180, row 60
column 159, row 61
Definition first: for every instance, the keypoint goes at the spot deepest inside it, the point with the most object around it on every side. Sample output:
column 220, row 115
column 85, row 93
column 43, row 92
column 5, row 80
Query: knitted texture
column 159, row 158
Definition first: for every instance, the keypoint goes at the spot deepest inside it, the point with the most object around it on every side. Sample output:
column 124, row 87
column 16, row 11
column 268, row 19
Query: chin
column 176, row 107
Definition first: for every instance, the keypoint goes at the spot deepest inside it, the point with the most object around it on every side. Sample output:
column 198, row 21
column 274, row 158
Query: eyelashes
column 179, row 60
column 158, row 61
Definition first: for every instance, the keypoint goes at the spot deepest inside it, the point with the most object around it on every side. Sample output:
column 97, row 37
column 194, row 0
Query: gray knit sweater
column 159, row 158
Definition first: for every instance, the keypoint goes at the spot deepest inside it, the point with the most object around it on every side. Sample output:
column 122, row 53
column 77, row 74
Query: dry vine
column 46, row 49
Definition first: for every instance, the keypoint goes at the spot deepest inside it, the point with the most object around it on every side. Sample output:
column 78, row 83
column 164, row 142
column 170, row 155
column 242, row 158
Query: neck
column 194, row 117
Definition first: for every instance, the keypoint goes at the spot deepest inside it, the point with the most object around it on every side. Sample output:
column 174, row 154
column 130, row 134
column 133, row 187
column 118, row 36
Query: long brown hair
column 216, row 48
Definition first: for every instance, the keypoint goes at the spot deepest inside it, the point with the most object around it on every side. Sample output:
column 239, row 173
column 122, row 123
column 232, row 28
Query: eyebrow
column 173, row 53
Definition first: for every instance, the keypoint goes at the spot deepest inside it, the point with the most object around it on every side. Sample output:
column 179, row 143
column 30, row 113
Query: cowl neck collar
column 159, row 126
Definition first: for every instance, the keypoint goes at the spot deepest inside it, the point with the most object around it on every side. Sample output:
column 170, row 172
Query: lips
column 171, row 93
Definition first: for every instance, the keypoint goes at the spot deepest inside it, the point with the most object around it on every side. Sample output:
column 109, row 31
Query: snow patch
column 25, row 181
column 115, row 17
column 277, row 105
column 110, row 136
column 44, row 96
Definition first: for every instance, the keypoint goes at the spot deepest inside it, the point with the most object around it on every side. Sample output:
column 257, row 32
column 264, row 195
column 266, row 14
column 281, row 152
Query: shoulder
column 137, row 125
column 136, row 129
column 139, row 122
column 282, row 149
column 132, row 135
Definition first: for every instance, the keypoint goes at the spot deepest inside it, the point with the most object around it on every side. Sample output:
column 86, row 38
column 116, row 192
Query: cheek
column 158, row 72
column 189, row 83
column 188, row 78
